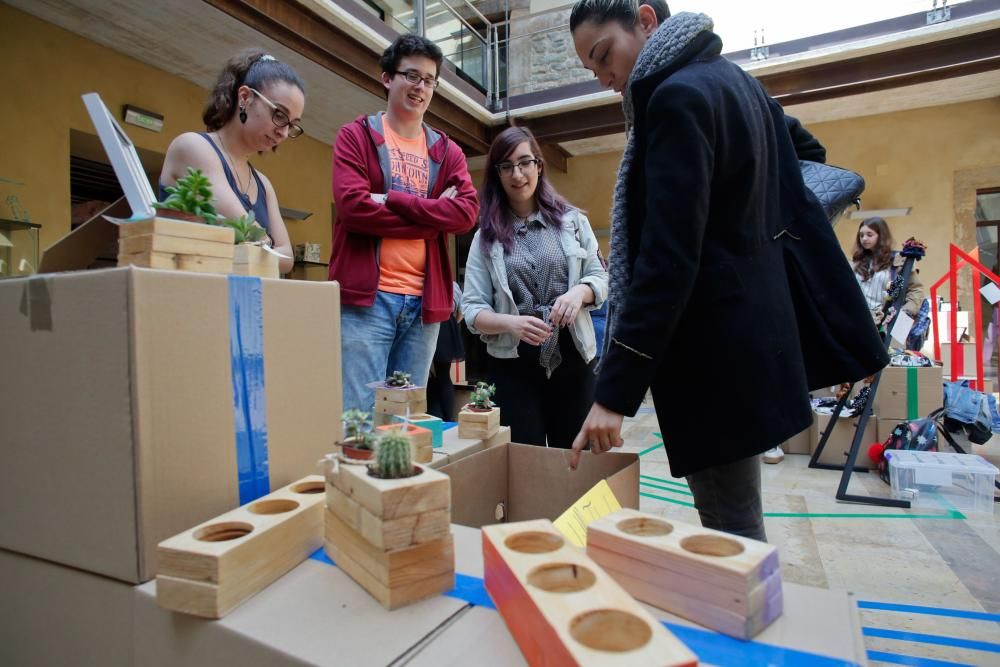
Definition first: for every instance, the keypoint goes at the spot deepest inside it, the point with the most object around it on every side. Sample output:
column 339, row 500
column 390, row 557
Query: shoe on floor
column 775, row 455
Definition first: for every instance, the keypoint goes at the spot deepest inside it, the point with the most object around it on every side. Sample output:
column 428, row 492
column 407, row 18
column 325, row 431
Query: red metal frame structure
column 958, row 258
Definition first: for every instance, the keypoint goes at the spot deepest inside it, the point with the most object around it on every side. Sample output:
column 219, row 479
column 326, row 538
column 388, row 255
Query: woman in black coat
column 706, row 283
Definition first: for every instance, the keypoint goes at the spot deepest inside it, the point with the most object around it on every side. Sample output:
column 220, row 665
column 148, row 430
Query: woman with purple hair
column 532, row 278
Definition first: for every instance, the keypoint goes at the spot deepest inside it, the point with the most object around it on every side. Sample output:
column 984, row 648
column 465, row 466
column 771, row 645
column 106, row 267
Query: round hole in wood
column 645, row 527
column 534, row 542
column 610, row 630
column 277, row 506
column 223, row 532
column 711, row 545
column 308, row 487
column 562, row 578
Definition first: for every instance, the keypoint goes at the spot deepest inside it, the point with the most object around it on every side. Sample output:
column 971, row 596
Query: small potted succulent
column 480, row 418
column 399, row 380
column 359, row 439
column 393, row 458
column 250, row 257
column 190, row 199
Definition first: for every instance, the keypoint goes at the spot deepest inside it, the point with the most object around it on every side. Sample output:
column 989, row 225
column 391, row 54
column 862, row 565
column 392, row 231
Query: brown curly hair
column 868, row 262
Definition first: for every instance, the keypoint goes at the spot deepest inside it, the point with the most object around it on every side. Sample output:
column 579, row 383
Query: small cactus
column 481, row 396
column 398, row 379
column 392, row 457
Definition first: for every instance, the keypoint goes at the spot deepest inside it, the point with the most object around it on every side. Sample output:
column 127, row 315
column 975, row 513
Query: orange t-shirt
column 402, row 262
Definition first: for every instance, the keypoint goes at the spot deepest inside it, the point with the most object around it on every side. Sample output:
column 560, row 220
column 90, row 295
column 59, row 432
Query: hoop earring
column 243, row 115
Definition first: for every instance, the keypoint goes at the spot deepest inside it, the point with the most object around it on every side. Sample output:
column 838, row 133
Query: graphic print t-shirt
column 402, row 261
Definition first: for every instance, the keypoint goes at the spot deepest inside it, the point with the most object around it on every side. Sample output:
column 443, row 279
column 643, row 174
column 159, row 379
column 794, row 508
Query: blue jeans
column 388, row 336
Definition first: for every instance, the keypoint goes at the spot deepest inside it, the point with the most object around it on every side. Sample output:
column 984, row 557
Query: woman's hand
column 567, row 307
column 529, row 329
column 601, row 430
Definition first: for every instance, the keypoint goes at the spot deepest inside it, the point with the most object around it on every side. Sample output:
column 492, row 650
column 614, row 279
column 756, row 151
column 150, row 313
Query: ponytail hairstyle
column 494, row 209
column 624, row 12
column 253, row 68
column 867, row 262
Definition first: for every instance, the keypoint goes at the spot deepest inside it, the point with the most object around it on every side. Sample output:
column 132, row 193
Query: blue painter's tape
column 915, row 661
column 710, row 646
column 447, row 425
column 246, row 347
column 933, row 611
column 939, row 640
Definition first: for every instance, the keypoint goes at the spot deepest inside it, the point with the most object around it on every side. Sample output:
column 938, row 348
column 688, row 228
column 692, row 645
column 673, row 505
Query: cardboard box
column 118, row 423
column 839, row 444
column 800, row 443
column 909, row 392
column 514, row 482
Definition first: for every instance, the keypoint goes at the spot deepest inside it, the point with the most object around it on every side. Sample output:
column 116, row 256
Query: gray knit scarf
column 662, row 47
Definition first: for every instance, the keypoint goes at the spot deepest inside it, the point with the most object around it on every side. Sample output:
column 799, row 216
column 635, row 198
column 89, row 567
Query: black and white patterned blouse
column 538, row 274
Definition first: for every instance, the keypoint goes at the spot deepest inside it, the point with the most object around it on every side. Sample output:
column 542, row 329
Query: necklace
column 232, row 163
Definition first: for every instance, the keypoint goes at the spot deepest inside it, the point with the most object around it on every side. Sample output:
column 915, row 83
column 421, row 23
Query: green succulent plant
column 482, row 394
column 191, row 194
column 245, row 228
column 358, row 425
column 392, row 457
column 398, row 379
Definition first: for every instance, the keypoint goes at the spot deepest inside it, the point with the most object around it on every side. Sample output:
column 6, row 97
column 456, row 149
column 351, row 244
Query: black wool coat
column 709, row 321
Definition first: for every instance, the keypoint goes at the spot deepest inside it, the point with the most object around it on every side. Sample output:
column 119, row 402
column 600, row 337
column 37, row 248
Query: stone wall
column 543, row 60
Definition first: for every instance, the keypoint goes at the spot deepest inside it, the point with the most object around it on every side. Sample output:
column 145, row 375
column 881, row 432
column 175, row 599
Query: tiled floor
column 945, row 563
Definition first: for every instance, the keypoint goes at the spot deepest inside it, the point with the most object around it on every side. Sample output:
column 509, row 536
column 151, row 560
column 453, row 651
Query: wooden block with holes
column 563, row 609
column 421, row 440
column 725, row 582
column 478, row 425
column 212, row 568
column 392, row 536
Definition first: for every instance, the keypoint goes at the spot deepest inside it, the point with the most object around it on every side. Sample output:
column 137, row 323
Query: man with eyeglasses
column 400, row 188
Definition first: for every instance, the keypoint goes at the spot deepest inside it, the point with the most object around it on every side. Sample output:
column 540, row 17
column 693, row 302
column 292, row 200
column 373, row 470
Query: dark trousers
column 441, row 392
column 728, row 498
column 543, row 410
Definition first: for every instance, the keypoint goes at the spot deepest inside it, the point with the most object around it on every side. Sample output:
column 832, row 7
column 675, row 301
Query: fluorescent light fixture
column 142, row 118
column 880, row 213
column 292, row 214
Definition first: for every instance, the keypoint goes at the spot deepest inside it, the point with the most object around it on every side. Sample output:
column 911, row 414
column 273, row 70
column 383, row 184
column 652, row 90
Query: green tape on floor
column 665, row 488
column 666, row 500
column 819, row 515
column 661, row 480
column 650, row 449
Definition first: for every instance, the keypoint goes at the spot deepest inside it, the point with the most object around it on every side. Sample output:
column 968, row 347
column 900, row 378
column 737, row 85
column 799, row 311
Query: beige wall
column 919, row 159
column 48, row 69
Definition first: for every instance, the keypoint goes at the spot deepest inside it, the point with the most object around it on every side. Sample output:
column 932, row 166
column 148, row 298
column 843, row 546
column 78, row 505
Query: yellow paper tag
column 594, row 504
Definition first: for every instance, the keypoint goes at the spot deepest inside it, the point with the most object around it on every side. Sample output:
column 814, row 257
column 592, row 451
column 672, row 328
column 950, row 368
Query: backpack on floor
column 918, row 434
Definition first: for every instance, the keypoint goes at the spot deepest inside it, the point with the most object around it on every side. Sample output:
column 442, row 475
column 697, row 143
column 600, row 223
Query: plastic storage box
column 943, row 480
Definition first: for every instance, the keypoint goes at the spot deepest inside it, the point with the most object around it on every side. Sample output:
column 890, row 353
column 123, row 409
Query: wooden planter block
column 421, row 440
column 409, row 395
column 478, row 425
column 433, row 424
column 392, row 536
column 388, row 533
column 727, row 583
column 176, row 245
column 385, row 410
column 250, row 259
column 212, row 568
column 562, row 609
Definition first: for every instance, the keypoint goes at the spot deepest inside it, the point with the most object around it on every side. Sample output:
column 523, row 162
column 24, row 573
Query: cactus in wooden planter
column 393, row 459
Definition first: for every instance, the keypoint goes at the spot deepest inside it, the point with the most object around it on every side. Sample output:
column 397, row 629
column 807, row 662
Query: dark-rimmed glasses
column 413, row 77
column 524, row 165
column 279, row 117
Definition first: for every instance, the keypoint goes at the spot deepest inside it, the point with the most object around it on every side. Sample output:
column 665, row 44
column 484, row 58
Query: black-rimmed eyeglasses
column 413, row 77
column 279, row 117
column 525, row 166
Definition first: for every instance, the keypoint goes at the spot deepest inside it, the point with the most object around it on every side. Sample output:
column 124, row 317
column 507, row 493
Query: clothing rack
column 866, row 413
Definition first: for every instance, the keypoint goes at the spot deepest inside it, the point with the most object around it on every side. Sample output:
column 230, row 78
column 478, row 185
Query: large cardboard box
column 909, row 392
column 124, row 416
column 967, row 359
column 513, row 482
column 800, row 443
column 839, row 444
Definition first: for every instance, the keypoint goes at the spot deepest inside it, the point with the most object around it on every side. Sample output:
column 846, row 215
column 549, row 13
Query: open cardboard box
column 118, row 406
column 513, row 482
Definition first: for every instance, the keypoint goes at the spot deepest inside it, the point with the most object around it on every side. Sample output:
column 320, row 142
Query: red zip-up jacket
column 360, row 168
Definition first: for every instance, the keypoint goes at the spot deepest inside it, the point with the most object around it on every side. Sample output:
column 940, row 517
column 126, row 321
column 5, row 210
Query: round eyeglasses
column 279, row 117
